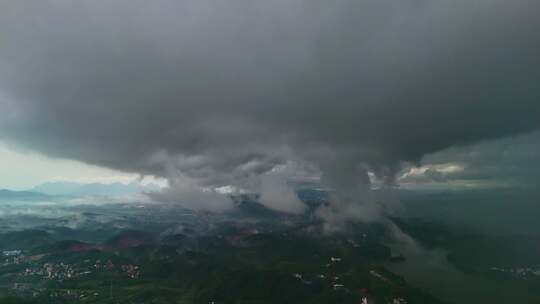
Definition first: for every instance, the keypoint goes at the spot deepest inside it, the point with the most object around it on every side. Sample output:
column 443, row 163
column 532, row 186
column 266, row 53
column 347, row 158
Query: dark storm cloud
column 222, row 91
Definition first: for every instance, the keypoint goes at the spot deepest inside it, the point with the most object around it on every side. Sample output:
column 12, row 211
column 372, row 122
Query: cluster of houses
column 61, row 271
column 10, row 253
column 131, row 271
column 338, row 286
column 521, row 272
column 30, row 290
column 58, row 271
column 11, row 257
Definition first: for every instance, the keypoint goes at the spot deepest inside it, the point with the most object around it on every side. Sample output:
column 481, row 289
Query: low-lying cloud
column 276, row 194
column 220, row 92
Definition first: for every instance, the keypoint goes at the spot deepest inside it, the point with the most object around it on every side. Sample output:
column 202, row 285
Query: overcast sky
column 246, row 94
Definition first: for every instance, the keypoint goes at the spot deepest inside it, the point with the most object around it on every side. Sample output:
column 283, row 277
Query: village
column 338, row 286
column 32, row 279
column 518, row 272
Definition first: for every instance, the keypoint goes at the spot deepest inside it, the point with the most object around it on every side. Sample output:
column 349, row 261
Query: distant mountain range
column 21, row 195
column 80, row 189
column 47, row 190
